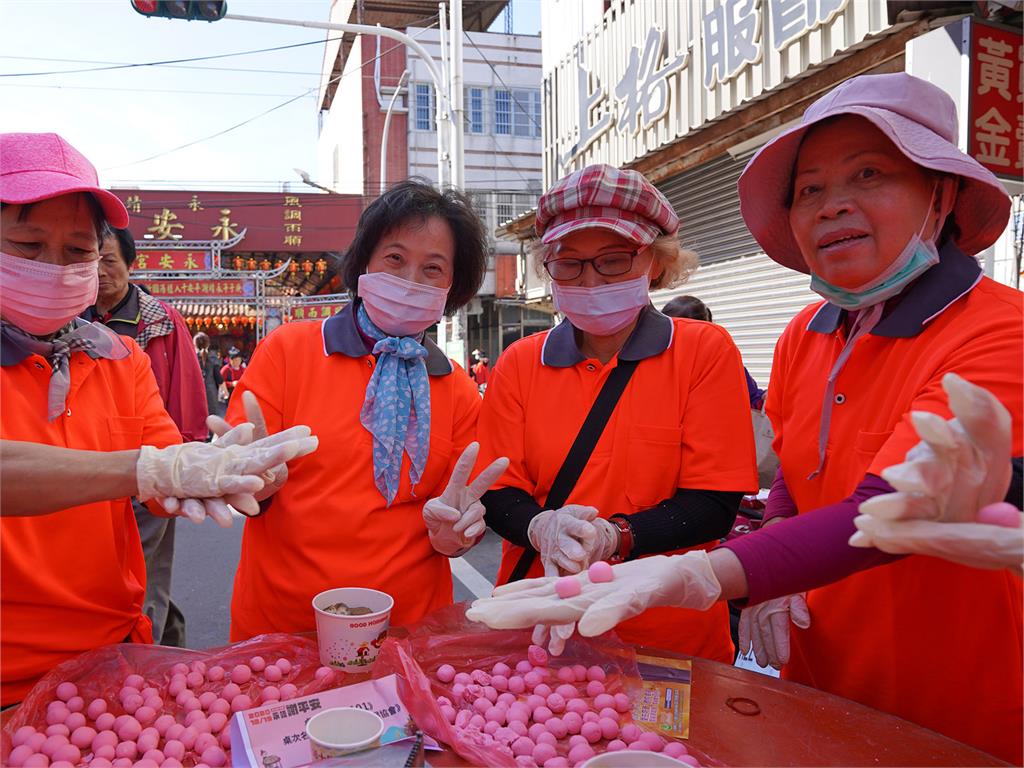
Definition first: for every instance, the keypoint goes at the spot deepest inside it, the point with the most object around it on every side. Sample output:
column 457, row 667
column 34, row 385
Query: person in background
column 695, row 309
column 871, row 196
column 160, row 331
column 209, row 365
column 480, row 372
column 231, row 372
column 677, row 452
column 83, row 428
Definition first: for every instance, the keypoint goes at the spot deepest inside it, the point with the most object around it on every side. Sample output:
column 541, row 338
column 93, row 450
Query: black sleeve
column 689, row 518
column 1015, row 495
column 508, row 513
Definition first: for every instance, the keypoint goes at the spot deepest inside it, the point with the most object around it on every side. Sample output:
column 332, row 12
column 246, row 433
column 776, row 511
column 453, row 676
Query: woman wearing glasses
column 677, row 452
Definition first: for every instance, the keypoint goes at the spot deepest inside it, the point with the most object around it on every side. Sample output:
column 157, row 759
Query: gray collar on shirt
column 652, row 336
column 341, row 336
column 927, row 298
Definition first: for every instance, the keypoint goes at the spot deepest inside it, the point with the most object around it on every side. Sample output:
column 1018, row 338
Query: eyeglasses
column 607, row 264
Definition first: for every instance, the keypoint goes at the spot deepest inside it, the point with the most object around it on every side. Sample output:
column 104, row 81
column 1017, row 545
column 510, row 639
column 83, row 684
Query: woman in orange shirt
column 870, row 196
column 391, row 418
column 677, row 452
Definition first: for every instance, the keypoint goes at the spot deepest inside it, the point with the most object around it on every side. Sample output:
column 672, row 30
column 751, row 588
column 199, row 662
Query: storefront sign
column 316, row 311
column 995, row 115
column 172, row 261
column 272, row 222
column 201, row 288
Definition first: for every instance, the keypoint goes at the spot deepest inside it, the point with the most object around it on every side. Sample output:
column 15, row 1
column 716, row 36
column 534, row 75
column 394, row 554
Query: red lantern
column 307, row 267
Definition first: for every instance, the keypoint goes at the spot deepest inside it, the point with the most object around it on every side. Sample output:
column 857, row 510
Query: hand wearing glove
column 764, row 628
column 564, row 537
column 274, row 477
column 205, row 470
column 455, row 519
column 679, row 581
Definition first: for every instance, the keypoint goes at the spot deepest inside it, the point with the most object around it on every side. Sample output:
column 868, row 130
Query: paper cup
column 627, row 758
column 352, row 642
column 339, row 731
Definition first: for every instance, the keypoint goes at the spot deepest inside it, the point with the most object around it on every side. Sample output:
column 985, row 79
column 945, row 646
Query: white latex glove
column 274, row 477
column 764, row 628
column 455, row 519
column 564, row 537
column 679, row 581
column 205, row 470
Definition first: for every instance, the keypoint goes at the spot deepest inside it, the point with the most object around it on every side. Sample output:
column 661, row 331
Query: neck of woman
column 106, row 303
column 604, row 348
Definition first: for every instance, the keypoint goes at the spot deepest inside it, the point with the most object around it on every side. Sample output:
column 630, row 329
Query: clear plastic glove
column 564, row 537
column 764, row 628
column 205, row 470
column 679, row 581
column 274, row 477
column 455, row 519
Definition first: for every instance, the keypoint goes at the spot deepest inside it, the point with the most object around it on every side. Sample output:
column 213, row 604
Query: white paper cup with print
column 630, row 759
column 346, row 642
column 342, row 730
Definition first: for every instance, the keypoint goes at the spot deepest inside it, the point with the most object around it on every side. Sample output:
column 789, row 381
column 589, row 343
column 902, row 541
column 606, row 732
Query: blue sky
column 122, row 116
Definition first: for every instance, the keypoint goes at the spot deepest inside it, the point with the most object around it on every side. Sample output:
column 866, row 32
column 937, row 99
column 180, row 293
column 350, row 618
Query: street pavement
column 206, row 556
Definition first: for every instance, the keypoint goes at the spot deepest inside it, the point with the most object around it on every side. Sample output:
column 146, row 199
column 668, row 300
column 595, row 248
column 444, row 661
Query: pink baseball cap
column 604, row 197
column 918, row 118
column 38, row 166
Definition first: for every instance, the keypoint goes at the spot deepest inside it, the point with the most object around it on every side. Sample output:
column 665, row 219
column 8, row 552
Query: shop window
column 475, row 110
column 424, row 106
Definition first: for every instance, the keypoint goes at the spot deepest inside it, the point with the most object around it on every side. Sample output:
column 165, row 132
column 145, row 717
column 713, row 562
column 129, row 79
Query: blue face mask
column 916, row 258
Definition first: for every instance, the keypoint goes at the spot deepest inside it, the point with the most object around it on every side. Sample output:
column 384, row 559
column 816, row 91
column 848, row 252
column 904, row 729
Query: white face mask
column 41, row 298
column 605, row 309
column 401, row 307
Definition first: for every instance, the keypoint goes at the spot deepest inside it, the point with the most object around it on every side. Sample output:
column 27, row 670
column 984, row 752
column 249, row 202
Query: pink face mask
column 605, row 309
column 42, row 298
column 401, row 307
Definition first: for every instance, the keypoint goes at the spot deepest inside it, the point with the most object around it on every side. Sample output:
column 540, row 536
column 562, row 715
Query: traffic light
column 198, row 10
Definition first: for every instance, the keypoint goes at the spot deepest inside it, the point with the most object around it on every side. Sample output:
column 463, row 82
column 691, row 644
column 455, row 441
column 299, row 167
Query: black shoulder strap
column 579, row 454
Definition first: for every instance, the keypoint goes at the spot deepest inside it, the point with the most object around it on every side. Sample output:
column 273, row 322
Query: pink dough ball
column 66, row 691
column 596, row 673
column 191, row 718
column 491, row 727
column 445, row 673
column 568, row 586
column 481, row 705
column 575, row 705
column 622, row 703
column 204, row 741
column 96, row 708
column 536, row 730
column 519, row 711
column 174, row 732
column 534, row 701
column 143, row 763
column 448, row 713
column 675, row 749
column 518, row 727
column 57, row 729
column 462, row 678
column 19, row 755
column 214, row 756
column 516, row 684
column 557, row 762
column 148, row 739
column 105, row 722
column 257, row 663
column 146, row 715
column 542, row 714
column 537, row 656
column 178, row 669
column 580, row 753
column 573, row 722
column 126, row 749
column 591, row 717
column 22, row 735
column 174, row 749
column 191, row 705
column 288, row 691
column 565, row 674
column 225, row 740
column 579, row 672
column 270, row 693
column 241, row 702
column 100, row 762
column 156, row 755
column 129, row 730
column 1001, row 513
column 162, row 723
column 616, row 745
column 480, row 677
column 220, row 705
column 36, row 760
column 241, row 674
column 543, row 752
column 522, row 667
column 653, row 741
column 496, row 715
column 55, row 715
column 104, row 739
column 229, row 691
column 556, row 727
column 603, row 700
column 591, row 732
column 499, row 682
column 609, row 712
column 609, row 727
column 567, row 692
column 630, row 733
column 546, row 737
column 532, row 679
column 132, row 703
column 62, row 763
column 216, row 673
column 82, row 737
column 194, row 680
column 76, row 704
column 501, row 668
column 508, row 699
column 36, row 741
column 68, row 752
column 638, row 746
column 217, row 721
column 198, row 666
column 477, row 721
column 523, row 746
column 600, row 572
column 272, row 674
column 188, row 737
column 596, row 688
column 689, row 760
column 135, row 681
column 556, row 702
column 206, row 699
column 75, row 720
column 176, row 686
column 284, row 665
column 543, row 690
column 490, row 693
column 324, row 673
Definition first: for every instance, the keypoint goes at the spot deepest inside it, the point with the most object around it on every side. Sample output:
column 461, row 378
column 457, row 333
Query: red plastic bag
column 448, row 637
column 100, row 674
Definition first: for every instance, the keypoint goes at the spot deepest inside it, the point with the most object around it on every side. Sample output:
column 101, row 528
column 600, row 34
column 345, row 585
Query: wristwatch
column 625, row 538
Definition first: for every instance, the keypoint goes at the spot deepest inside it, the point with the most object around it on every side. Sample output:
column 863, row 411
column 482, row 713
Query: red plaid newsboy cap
column 604, row 197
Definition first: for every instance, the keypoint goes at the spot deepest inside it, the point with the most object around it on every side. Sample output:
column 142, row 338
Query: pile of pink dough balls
column 544, row 716
column 182, row 720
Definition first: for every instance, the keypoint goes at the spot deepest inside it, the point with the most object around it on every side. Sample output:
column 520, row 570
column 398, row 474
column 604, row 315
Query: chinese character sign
column 790, row 19
column 172, row 261
column 200, row 288
column 732, row 39
column 995, row 116
column 316, row 311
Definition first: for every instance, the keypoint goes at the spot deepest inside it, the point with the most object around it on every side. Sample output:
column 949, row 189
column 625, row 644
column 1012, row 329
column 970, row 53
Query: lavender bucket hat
column 919, row 119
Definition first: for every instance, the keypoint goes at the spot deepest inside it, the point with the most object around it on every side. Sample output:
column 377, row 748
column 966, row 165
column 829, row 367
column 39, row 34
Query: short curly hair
column 416, row 200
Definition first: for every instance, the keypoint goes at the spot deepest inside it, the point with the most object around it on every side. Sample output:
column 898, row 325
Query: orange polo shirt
column 328, row 526
column 74, row 580
column 683, row 421
column 928, row 640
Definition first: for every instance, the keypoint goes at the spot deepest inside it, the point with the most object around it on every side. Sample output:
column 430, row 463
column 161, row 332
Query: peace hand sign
column 455, row 519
